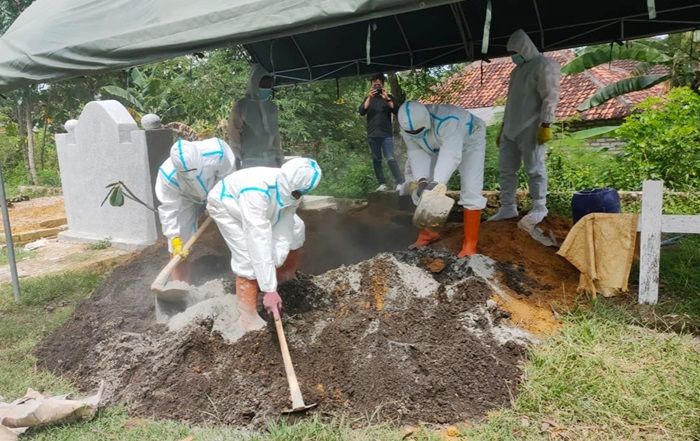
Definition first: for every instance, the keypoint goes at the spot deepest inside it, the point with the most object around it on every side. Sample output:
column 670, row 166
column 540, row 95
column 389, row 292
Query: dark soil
column 382, row 346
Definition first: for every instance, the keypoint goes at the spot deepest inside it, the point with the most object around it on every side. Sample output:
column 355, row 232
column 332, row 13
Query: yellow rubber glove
column 176, row 245
column 544, row 134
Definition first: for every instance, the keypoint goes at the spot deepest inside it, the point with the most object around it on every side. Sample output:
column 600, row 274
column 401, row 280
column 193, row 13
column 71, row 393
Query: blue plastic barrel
column 597, row 200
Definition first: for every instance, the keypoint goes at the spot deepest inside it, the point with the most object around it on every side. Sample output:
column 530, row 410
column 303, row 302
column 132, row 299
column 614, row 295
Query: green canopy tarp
column 306, row 40
column 55, row 39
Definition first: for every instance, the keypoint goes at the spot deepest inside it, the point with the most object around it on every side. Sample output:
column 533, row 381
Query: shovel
column 433, row 208
column 172, row 298
column 298, row 404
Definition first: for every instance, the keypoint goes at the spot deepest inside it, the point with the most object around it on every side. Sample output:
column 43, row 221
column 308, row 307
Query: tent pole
column 8, row 238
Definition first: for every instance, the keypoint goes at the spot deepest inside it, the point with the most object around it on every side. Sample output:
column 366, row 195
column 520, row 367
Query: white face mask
column 518, row 59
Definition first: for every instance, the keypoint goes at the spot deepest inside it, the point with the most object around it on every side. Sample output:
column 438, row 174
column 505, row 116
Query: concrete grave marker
column 104, row 146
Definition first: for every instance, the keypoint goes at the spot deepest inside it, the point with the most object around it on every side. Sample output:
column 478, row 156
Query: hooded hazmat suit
column 452, row 138
column 256, row 214
column 253, row 125
column 184, row 180
column 533, row 95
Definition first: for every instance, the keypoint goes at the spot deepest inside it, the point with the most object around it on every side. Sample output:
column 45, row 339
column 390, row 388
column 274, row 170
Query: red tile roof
column 486, row 85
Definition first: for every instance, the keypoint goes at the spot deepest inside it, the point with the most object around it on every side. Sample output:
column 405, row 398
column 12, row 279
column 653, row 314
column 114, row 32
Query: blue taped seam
column 441, row 121
column 247, row 189
column 169, row 177
column 182, row 156
column 224, row 193
column 408, row 115
column 201, row 182
column 470, row 124
column 314, row 178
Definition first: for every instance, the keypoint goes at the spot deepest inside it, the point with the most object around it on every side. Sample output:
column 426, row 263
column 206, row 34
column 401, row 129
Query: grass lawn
column 20, row 254
column 602, row 377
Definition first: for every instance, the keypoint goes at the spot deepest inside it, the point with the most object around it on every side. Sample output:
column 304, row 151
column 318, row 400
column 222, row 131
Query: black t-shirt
column 378, row 117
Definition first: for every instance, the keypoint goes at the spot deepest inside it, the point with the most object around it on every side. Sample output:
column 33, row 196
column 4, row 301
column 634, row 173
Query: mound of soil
column 422, row 335
column 385, row 333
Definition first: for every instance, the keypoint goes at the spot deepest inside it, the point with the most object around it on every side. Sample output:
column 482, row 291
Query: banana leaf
column 593, row 132
column 602, row 55
column 125, row 95
column 620, row 88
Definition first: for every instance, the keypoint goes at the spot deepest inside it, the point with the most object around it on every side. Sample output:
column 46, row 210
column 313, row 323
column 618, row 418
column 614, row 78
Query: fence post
column 650, row 248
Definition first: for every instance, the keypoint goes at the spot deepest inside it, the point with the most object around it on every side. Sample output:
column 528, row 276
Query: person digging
column 440, row 139
column 255, row 211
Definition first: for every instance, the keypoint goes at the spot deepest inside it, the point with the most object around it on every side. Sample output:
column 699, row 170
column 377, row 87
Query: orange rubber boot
column 247, row 298
column 472, row 220
column 425, row 238
column 288, row 269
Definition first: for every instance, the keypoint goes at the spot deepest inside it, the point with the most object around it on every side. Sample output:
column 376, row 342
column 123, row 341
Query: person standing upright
column 533, row 95
column 378, row 107
column 253, row 124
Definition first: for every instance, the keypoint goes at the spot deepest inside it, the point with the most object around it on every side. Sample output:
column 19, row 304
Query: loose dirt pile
column 383, row 333
column 421, row 335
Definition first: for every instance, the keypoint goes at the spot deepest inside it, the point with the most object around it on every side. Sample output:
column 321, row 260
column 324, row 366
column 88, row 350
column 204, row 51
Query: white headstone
column 105, row 146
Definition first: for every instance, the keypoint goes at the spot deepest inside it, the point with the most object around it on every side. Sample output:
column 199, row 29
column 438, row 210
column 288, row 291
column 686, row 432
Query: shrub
column 663, row 142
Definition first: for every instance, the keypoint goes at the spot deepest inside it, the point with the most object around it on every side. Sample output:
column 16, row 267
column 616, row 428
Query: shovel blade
column 433, row 210
column 171, row 299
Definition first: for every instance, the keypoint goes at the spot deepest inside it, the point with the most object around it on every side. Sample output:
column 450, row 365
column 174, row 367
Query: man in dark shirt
column 378, row 106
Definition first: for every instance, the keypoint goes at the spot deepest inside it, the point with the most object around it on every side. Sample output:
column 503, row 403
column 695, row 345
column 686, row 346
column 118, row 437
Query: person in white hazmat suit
column 533, row 95
column 253, row 124
column 440, row 138
column 255, row 210
column 183, row 181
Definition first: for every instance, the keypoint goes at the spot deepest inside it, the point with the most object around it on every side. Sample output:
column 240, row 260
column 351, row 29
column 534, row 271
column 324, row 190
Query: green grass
column 602, row 377
column 680, row 279
column 45, row 303
column 20, row 254
column 100, row 244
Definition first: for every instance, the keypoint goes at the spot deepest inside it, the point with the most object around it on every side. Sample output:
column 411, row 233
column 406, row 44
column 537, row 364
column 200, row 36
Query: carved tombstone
column 102, row 147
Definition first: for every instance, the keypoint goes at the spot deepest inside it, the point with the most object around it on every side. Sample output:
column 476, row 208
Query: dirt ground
column 411, row 332
column 36, row 214
column 58, row 257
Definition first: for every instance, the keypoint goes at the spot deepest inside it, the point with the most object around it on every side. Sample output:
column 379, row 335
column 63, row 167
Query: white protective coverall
column 453, row 138
column 256, row 214
column 533, row 94
column 253, row 126
column 184, row 180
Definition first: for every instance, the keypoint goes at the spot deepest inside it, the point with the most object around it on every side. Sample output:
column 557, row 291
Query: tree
column 674, row 53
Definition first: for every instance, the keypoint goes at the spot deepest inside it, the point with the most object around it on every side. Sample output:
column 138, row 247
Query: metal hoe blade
column 302, row 408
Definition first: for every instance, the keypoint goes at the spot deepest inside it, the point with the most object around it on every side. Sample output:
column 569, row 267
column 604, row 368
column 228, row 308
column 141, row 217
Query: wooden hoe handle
column 295, row 392
column 163, row 276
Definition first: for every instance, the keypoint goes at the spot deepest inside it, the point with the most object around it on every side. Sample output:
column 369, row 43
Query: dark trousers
column 385, row 147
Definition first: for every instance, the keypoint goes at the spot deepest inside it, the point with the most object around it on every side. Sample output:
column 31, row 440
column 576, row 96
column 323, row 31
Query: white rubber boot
column 505, row 212
column 538, row 213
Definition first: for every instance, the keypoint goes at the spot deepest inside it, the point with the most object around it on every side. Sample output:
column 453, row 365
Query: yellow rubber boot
column 472, row 221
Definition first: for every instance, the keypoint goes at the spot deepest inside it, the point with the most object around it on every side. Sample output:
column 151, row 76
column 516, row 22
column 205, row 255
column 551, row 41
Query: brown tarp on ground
column 601, row 246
